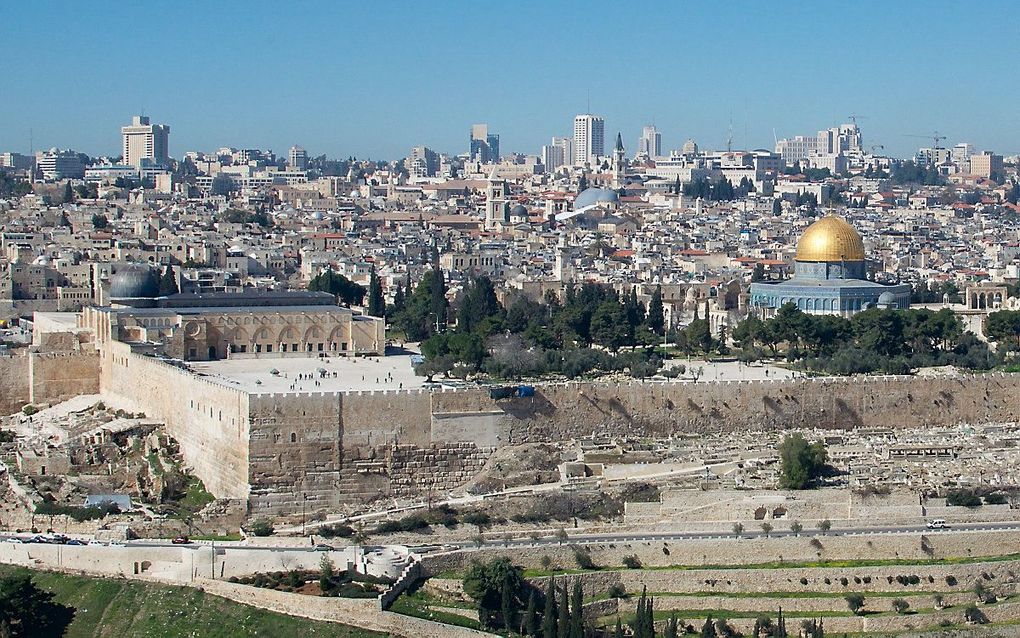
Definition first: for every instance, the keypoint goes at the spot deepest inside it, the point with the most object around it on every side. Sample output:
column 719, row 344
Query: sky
column 373, row 79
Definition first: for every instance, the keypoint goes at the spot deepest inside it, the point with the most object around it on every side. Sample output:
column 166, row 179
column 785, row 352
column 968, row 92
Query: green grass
column 123, row 609
column 154, row 463
column 418, row 604
column 837, row 564
column 196, row 497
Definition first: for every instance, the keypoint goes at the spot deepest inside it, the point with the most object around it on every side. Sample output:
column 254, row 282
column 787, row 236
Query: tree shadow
column 56, row 619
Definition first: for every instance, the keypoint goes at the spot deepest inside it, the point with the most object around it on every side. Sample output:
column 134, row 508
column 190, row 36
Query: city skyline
column 667, row 72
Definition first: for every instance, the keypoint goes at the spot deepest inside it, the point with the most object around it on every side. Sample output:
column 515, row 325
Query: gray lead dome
column 133, row 282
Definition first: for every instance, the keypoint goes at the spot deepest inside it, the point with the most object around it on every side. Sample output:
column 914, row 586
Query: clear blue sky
column 372, row 79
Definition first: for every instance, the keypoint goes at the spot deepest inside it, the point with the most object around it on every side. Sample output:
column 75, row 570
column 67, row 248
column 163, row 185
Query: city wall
column 209, row 420
column 59, row 376
column 14, row 388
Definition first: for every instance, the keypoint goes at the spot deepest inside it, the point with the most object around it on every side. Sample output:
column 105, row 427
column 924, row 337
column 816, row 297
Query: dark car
column 75, row 541
column 181, row 540
column 322, row 547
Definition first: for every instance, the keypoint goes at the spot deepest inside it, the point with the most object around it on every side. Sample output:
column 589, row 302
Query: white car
column 938, row 523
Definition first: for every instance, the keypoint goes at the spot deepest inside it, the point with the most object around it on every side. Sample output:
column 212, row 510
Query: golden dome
column 830, row 239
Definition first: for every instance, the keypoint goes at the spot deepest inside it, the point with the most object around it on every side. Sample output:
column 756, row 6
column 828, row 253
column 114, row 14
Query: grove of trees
column 886, row 340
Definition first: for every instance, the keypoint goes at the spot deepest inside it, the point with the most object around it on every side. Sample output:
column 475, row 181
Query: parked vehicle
column 938, row 523
column 322, row 547
column 75, row 541
column 181, row 540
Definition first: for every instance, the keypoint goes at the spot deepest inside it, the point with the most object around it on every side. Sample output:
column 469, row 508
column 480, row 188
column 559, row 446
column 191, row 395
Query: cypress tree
column 398, row 299
column 708, row 629
column 655, row 318
column 563, row 626
column 530, row 627
column 576, row 608
column 618, row 633
column 376, row 301
column 549, row 615
column 168, row 282
column 506, row 610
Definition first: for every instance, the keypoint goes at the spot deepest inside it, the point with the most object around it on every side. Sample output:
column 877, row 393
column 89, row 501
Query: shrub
column 974, row 615
column 900, row 606
column 913, row 579
column 29, row 410
column 803, row 581
column 995, row 498
column 843, row 581
column 481, row 520
column 796, row 527
column 854, row 602
column 545, row 562
column 963, row 498
column 583, row 558
column 738, row 529
column 261, row 527
column 616, row 590
column 632, row 562
column 951, row 580
column 336, row 530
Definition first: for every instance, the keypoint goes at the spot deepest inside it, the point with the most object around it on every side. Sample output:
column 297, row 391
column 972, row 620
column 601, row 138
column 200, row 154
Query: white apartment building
column 145, row 141
column 650, row 142
column 54, row 165
column 589, row 138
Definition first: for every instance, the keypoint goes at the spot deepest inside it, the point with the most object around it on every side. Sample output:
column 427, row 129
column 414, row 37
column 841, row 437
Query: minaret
column 618, row 160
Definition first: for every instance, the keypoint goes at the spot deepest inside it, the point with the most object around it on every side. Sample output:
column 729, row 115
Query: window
column 269, row 347
column 293, row 437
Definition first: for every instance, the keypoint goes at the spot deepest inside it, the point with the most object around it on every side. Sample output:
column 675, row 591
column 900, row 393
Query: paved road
column 624, row 537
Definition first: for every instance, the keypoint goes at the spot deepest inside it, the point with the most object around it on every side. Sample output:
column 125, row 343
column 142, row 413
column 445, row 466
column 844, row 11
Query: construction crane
column 854, row 118
column 934, row 137
column 875, row 147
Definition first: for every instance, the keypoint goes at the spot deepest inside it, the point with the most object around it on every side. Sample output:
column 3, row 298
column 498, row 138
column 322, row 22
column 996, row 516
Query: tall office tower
column 650, row 144
column 297, row 158
column 557, row 154
column 589, row 137
column 145, row 141
column 484, row 145
column 422, row 162
column 962, row 152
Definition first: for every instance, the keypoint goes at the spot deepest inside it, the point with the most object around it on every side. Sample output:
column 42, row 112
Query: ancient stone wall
column 14, row 386
column 566, row 411
column 58, row 376
column 209, row 420
column 295, row 451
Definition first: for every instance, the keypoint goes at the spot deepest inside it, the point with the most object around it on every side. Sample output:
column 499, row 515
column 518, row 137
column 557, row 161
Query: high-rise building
column 589, row 138
column 422, row 162
column 650, row 144
column 986, row 164
column 145, row 141
column 297, row 158
column 962, row 152
column 54, row 165
column 484, row 145
column 17, row 161
column 557, row 154
column 844, row 139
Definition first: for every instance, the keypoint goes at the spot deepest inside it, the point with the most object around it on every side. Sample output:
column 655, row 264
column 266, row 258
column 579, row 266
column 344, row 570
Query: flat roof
column 353, row 374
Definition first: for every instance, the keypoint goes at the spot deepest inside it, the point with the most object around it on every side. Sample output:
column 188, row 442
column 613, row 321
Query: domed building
column 829, row 276
column 592, row 196
column 133, row 285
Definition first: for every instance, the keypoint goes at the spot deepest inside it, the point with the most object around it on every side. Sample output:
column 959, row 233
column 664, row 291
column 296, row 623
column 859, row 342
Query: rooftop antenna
column 729, row 138
column 775, row 137
column 31, row 142
column 588, row 111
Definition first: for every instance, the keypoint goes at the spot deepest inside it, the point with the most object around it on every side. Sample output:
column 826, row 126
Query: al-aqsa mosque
column 829, row 276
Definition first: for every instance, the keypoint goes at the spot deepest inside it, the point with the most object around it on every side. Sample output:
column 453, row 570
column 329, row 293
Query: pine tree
column 530, row 627
column 549, row 614
column 376, row 301
column 618, row 632
column 168, row 282
column 68, row 193
column 780, row 625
